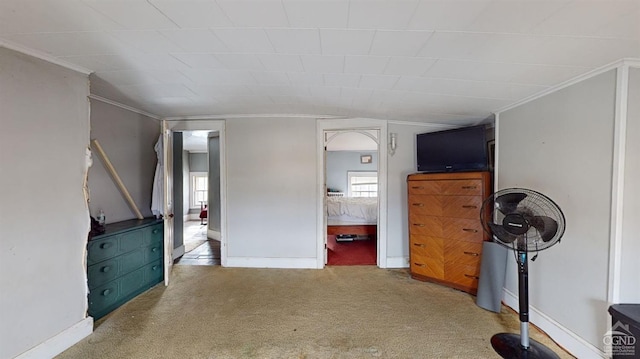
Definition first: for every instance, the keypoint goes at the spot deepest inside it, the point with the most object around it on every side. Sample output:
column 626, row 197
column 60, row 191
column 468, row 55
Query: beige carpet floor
column 336, row 312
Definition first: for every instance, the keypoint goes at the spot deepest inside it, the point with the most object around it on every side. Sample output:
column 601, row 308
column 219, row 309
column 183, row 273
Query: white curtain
column 157, row 196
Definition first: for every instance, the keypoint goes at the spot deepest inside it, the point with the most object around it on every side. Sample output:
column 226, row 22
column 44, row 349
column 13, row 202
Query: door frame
column 216, row 126
column 356, row 124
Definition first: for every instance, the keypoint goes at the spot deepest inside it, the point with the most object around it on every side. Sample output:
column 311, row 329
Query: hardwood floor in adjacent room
column 199, row 250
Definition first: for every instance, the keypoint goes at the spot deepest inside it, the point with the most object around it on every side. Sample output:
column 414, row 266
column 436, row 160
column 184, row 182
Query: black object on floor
column 507, row 345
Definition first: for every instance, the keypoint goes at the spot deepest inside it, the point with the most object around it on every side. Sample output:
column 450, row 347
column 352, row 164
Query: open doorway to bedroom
column 351, row 178
column 196, row 180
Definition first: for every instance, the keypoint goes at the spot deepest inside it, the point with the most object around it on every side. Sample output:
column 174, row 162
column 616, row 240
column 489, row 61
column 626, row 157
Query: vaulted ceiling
column 441, row 61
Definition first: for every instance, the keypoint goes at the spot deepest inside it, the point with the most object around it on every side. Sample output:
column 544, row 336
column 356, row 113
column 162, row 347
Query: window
column 363, row 184
column 198, row 186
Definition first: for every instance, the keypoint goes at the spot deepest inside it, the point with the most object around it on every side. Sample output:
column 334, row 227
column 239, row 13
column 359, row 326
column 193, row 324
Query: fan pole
column 523, row 295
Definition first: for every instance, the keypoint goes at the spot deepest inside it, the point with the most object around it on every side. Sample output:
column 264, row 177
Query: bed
column 352, row 215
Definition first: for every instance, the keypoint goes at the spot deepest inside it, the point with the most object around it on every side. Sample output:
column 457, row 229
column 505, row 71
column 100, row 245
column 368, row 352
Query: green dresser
column 123, row 262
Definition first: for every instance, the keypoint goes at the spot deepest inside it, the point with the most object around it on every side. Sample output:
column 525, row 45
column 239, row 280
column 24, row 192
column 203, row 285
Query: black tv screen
column 458, row 150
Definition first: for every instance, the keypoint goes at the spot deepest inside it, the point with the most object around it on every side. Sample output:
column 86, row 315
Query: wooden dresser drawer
column 445, row 206
column 461, row 274
column 427, row 267
column 446, row 227
column 427, row 247
column 461, row 252
column 465, row 187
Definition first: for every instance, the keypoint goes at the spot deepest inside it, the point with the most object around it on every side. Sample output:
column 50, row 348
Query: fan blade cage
column 544, row 222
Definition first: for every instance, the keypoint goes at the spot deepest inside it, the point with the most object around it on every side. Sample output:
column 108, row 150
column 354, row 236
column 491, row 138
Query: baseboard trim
column 567, row 339
column 214, row 235
column 397, row 262
column 256, row 262
column 60, row 342
column 177, row 252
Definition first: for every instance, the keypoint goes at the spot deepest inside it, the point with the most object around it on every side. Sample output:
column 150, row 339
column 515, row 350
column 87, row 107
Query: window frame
column 192, row 190
column 351, row 174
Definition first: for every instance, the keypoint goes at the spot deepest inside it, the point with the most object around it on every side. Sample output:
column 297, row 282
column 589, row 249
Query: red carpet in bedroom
column 351, row 253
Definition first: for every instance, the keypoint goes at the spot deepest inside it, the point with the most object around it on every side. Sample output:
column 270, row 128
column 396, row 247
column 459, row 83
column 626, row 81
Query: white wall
column 399, row 166
column 630, row 265
column 271, row 183
column 562, row 145
column 128, row 139
column 44, row 219
column 339, row 163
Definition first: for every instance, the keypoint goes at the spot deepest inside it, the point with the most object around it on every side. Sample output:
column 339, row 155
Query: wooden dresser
column 123, row 262
column 445, row 233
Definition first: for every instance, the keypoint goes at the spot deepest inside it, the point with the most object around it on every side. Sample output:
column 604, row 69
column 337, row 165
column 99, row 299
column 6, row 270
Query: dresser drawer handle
column 469, row 206
column 154, row 267
column 472, row 276
column 105, row 269
column 469, row 187
column 419, row 264
column 106, row 292
column 154, row 249
column 105, row 245
column 418, row 225
column 420, row 245
column 155, row 231
column 418, row 204
column 470, row 230
column 471, row 253
column 417, row 187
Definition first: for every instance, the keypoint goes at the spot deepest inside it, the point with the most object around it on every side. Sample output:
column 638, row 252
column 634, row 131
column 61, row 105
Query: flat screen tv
column 457, row 150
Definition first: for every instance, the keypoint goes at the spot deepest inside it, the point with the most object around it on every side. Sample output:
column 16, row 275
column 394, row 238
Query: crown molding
column 123, row 106
column 43, row 56
column 631, row 62
column 247, row 115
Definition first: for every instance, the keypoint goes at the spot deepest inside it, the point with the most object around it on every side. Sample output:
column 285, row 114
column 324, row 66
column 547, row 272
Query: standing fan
column 525, row 221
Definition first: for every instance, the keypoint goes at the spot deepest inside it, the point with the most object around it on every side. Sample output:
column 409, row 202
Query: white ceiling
column 441, row 61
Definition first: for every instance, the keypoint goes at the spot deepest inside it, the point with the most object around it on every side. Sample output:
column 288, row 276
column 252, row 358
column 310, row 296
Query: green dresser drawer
column 154, row 273
column 153, row 252
column 123, row 262
column 103, row 272
column 102, row 249
column 130, row 240
column 154, row 234
column 109, row 296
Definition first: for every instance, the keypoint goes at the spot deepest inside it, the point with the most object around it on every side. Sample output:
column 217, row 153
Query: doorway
column 351, row 179
column 191, row 191
column 196, row 192
column 352, row 125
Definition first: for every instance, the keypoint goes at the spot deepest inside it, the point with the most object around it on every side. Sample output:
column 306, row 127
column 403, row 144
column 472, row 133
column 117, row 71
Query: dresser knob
column 154, row 249
column 106, row 292
column 470, row 230
column 472, row 276
column 418, row 225
column 418, row 204
column 469, row 206
column 471, row 254
column 154, row 268
column 105, row 245
column 105, row 269
column 469, row 187
column 419, row 245
column 419, row 264
column 155, row 231
column 417, row 187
